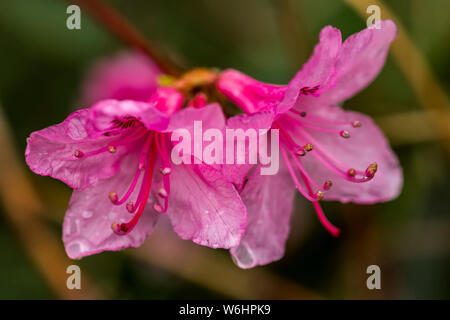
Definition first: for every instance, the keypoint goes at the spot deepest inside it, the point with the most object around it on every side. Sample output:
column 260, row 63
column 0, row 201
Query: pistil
column 144, row 193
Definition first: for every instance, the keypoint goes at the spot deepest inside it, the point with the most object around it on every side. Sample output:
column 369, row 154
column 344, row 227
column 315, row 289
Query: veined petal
column 247, row 93
column 205, row 207
column 126, row 75
column 51, row 152
column 318, row 72
column 87, row 224
column 237, row 173
column 103, row 114
column 360, row 60
column 366, row 145
column 269, row 201
column 211, row 116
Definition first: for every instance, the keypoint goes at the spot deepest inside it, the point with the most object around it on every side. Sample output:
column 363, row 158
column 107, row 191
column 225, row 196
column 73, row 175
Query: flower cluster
column 116, row 154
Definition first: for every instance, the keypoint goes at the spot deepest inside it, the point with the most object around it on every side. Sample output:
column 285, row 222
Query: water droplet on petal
column 73, row 249
column 87, row 214
column 73, row 227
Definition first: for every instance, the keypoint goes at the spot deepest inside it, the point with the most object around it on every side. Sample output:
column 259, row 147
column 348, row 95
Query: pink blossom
column 126, row 75
column 115, row 155
column 327, row 152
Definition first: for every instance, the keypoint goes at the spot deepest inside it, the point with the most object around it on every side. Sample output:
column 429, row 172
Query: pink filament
column 328, row 164
column 303, row 172
column 307, row 125
column 294, row 177
column 130, row 189
column 325, row 222
column 136, row 135
column 161, row 146
column 145, row 191
column 142, row 166
column 320, row 120
column 138, row 171
column 320, row 214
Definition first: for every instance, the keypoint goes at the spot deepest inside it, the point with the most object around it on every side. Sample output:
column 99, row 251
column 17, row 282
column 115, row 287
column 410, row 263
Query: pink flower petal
column 210, row 115
column 237, row 173
column 360, row 60
column 269, row 201
column 205, row 208
column 249, row 94
column 51, row 152
column 127, row 75
column 102, row 114
column 87, row 224
column 318, row 71
column 366, row 145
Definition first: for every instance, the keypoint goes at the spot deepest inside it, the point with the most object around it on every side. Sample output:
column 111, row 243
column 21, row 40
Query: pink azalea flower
column 327, row 152
column 126, row 75
column 115, row 155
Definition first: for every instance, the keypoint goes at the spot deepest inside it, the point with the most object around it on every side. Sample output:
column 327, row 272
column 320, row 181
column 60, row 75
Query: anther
column 78, row 153
column 303, row 114
column 165, row 171
column 118, row 229
column 371, row 169
column 130, row 207
column 112, row 149
column 327, row 185
column 319, row 195
column 158, row 207
column 351, row 172
column 308, row 147
column 356, row 124
column 162, row 193
column 345, row 134
column 113, row 197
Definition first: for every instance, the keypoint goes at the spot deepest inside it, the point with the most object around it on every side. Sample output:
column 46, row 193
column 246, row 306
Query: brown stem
column 122, row 29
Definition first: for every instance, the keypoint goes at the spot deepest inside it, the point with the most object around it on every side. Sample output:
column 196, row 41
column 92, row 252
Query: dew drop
column 74, row 249
column 73, row 227
column 87, row 214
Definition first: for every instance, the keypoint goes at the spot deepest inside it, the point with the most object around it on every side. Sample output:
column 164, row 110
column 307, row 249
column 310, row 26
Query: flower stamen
column 125, row 228
column 327, row 185
column 162, row 193
column 371, row 170
column 112, row 149
column 308, row 147
column 165, row 171
column 351, row 172
column 158, row 208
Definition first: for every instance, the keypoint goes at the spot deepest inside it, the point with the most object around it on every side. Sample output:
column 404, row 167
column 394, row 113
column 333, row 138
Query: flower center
column 196, row 85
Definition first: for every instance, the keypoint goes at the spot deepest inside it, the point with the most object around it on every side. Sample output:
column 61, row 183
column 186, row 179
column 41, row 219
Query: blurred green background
column 42, row 64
